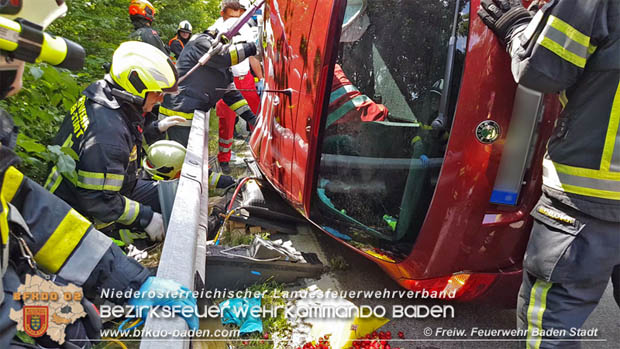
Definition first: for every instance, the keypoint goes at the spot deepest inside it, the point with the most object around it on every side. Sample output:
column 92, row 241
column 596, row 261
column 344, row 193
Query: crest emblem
column 35, row 320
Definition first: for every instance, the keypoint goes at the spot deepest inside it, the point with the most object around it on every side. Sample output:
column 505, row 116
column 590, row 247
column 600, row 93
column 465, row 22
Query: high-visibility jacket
column 177, row 44
column 61, row 240
column 348, row 105
column 199, row 90
column 106, row 134
column 143, row 32
column 572, row 46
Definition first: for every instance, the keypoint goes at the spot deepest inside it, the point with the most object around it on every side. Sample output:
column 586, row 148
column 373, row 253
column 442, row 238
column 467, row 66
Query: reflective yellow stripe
column 603, row 194
column 169, row 112
column 99, row 181
column 63, row 241
column 238, row 104
column 566, row 42
column 582, row 181
column 563, row 99
column 234, row 56
column 535, row 312
column 612, row 133
column 132, row 209
column 569, row 31
column 563, row 53
column 587, row 172
column 53, row 180
column 12, row 180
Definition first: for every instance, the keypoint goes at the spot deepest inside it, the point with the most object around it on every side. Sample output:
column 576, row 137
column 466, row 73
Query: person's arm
column 235, row 101
column 61, row 240
column 551, row 52
column 257, row 68
column 101, row 173
column 227, row 58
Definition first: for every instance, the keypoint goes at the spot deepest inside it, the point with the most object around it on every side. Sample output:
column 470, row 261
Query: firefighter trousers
column 227, row 117
column 569, row 260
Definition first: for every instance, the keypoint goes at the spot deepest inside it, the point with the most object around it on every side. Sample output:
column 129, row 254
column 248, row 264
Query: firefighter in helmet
column 178, row 42
column 207, row 85
column 54, row 238
column 142, row 14
column 569, row 47
column 105, row 128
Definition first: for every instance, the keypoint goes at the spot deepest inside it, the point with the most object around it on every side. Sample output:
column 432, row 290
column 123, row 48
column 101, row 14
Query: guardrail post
column 184, row 253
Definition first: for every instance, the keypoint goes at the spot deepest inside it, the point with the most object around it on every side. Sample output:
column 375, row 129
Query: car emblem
column 488, row 132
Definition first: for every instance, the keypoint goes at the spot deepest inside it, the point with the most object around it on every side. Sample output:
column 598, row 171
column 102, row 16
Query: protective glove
column 260, row 86
column 164, row 124
column 155, row 228
column 164, row 292
column 502, row 16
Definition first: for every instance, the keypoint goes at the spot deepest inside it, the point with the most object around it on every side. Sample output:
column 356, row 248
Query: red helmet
column 142, row 8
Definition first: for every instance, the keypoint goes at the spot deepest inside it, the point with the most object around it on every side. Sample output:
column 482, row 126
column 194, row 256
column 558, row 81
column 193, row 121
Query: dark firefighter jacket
column 176, row 45
column 198, row 91
column 579, row 56
column 106, row 135
column 145, row 33
column 61, row 240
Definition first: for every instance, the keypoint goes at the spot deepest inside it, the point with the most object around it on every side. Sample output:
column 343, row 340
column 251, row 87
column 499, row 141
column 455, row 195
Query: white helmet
column 185, row 26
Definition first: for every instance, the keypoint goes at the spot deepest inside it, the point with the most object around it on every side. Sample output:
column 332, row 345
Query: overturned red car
column 404, row 138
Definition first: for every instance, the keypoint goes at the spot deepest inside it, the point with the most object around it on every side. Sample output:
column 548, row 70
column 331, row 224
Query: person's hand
column 501, row 16
column 164, row 124
column 155, row 228
column 260, row 86
column 165, row 292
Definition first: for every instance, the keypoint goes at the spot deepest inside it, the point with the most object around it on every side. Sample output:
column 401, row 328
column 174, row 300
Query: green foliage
column 99, row 26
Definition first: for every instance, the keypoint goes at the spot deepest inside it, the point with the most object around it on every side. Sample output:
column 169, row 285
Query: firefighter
column 142, row 14
column 178, row 42
column 200, row 90
column 54, row 238
column 105, row 128
column 571, row 47
column 243, row 80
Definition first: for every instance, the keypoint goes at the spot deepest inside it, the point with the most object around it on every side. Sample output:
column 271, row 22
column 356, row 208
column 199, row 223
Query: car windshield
column 384, row 138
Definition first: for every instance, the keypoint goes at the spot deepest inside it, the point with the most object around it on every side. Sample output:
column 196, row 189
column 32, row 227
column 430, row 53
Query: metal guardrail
column 184, row 254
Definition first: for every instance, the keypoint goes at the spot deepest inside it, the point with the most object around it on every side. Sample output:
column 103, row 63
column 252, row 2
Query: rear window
column 381, row 155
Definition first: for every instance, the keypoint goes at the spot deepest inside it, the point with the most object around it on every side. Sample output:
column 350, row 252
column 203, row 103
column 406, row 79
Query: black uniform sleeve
column 232, row 56
column 62, row 241
column 151, row 128
column 150, row 36
column 550, row 54
column 100, row 177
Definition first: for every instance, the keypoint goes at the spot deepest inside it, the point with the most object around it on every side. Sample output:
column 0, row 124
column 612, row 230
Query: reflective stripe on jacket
column 578, row 55
column 105, row 135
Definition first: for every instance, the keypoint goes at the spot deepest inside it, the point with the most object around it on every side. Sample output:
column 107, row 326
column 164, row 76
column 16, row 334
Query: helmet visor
column 42, row 12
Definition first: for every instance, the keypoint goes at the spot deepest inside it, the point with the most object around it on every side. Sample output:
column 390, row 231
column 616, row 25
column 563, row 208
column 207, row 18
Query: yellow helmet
column 139, row 68
column 164, row 159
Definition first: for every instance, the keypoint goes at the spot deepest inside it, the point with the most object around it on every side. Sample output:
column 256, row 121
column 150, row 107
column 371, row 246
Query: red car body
column 466, row 243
